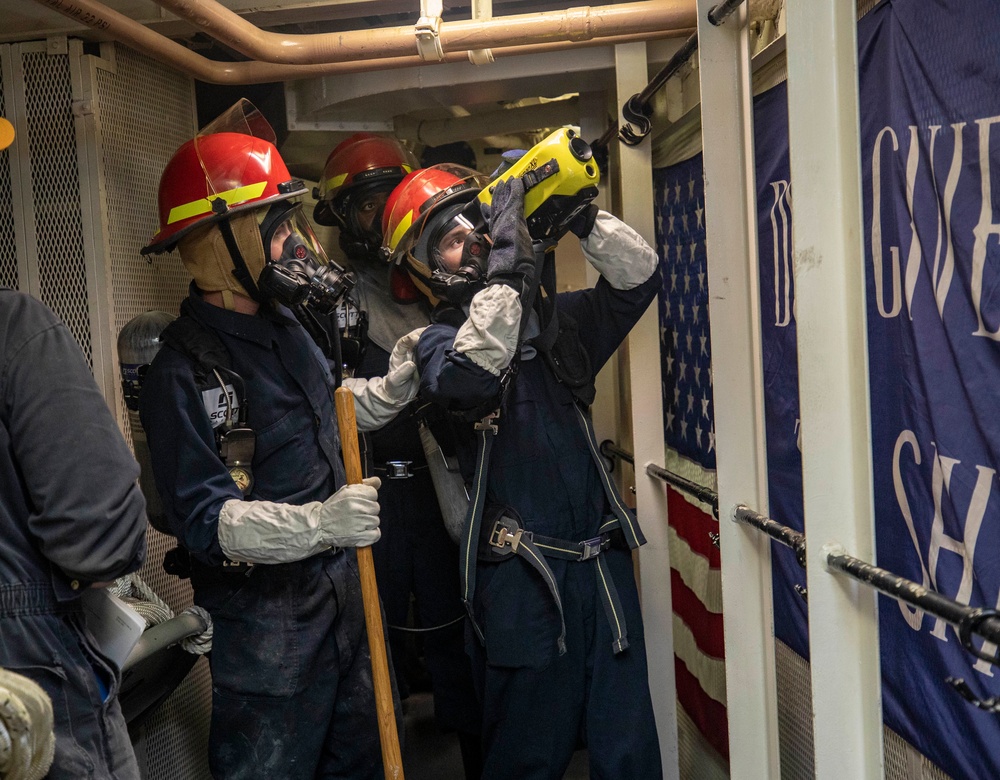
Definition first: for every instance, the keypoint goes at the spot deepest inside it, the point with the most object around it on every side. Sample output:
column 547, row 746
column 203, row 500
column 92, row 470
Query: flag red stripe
column 708, row 715
column 705, row 626
column 693, row 526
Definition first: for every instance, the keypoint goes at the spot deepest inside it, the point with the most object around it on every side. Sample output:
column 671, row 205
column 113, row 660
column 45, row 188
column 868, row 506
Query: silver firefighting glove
column 489, row 336
column 269, row 532
column 618, row 253
column 378, row 400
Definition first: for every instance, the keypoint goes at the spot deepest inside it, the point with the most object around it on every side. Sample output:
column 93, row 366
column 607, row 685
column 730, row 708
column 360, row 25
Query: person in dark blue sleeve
column 415, row 555
column 555, row 632
column 71, row 518
column 239, row 414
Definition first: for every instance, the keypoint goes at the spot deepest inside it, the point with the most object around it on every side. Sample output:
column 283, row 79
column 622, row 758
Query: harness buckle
column 591, row 548
column 501, row 537
column 398, row 469
column 487, row 424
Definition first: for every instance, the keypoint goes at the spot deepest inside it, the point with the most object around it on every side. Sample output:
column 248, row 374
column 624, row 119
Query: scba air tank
column 138, row 343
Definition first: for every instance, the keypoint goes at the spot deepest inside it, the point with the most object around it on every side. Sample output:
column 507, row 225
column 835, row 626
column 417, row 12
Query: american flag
column 685, row 346
column 689, row 433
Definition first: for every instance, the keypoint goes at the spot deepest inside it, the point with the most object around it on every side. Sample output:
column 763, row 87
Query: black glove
column 583, row 223
column 511, row 260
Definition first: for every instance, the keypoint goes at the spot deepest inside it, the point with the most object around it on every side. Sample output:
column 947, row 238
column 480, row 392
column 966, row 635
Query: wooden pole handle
column 392, row 761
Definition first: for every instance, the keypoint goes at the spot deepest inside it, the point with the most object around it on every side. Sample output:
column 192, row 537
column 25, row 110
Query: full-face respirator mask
column 451, row 232
column 298, row 271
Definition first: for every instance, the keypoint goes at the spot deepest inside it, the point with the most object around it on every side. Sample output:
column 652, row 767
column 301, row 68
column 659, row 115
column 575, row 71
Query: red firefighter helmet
column 360, row 164
column 220, row 173
column 425, row 202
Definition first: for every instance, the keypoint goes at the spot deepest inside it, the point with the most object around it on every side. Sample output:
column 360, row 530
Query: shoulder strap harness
column 235, row 439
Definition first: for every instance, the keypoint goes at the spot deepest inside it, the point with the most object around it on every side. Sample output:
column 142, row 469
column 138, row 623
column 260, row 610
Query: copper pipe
column 139, row 37
column 575, row 24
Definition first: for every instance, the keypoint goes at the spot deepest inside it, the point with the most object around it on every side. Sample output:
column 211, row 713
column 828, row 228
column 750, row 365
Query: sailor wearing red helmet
column 555, row 633
column 239, row 414
column 415, row 558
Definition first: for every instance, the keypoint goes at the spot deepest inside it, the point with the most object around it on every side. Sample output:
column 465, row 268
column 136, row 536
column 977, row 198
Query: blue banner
column 930, row 151
column 781, row 365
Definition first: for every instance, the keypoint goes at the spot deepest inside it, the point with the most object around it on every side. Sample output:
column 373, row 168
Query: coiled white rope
column 27, row 743
column 143, row 599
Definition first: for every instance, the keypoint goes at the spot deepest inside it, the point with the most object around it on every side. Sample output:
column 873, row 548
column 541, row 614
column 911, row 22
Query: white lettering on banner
column 877, row 231
column 941, row 476
column 781, row 236
column 985, row 228
column 942, row 282
column 903, row 283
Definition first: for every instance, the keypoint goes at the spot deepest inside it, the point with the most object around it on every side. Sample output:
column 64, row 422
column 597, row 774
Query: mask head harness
column 297, row 271
column 461, row 284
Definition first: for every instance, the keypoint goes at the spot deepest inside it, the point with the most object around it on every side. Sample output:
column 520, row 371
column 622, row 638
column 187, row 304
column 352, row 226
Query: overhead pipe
column 121, row 28
column 575, row 24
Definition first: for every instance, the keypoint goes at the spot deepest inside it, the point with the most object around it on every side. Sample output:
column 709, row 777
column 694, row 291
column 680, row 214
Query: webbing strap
column 473, row 519
column 629, row 524
column 612, row 605
column 589, row 550
column 520, row 543
column 526, row 548
column 535, row 177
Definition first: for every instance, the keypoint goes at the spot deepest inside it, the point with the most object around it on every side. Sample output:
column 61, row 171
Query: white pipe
column 575, row 24
column 139, row 37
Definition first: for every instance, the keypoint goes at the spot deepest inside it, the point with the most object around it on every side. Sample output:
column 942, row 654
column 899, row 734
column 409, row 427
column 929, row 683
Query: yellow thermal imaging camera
column 560, row 177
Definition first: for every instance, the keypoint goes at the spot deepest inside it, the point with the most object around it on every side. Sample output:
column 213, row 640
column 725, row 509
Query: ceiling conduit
column 139, row 37
column 575, row 24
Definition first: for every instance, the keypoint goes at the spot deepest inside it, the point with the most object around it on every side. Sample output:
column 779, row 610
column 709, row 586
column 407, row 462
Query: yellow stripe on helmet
column 400, row 231
column 335, row 181
column 204, row 205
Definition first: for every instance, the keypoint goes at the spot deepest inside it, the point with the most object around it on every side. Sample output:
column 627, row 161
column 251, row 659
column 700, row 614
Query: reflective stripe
column 204, row 205
column 612, row 606
column 629, row 525
column 335, row 181
column 471, row 529
column 400, row 231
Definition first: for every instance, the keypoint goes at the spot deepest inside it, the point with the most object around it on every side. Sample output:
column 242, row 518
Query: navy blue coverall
column 417, row 556
column 71, row 515
column 537, row 703
column 292, row 693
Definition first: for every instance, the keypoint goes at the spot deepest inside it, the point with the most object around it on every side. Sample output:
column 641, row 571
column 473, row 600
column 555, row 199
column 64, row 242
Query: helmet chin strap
column 240, row 270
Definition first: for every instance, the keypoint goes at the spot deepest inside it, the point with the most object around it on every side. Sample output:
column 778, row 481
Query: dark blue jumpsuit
column 292, row 693
column 538, row 704
column 416, row 556
column 71, row 514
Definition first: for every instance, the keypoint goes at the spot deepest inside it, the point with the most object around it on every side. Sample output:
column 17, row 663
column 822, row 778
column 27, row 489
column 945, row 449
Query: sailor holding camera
column 556, row 631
